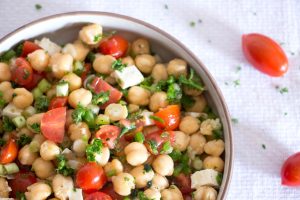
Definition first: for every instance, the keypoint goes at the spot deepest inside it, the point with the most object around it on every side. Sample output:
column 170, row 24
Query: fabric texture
column 212, row 30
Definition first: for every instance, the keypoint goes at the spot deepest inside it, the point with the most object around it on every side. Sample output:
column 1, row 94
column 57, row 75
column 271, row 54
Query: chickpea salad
column 105, row 118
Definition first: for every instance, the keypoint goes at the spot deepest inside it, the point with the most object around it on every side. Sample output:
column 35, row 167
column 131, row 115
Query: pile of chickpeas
column 195, row 134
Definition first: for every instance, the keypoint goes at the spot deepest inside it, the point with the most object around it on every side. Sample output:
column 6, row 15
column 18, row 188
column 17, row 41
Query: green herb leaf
column 153, row 146
column 139, row 137
column 284, row 90
column 20, row 196
column 97, row 38
column 78, row 113
column 111, row 173
column 118, row 65
column 126, row 129
column 7, row 124
column 237, row 82
column 90, row 57
column 62, row 166
column 155, row 118
column 219, row 178
column 93, row 149
column 6, row 56
column 36, row 127
column 217, row 134
column 23, row 140
column 38, row 7
column 2, row 101
column 174, row 93
column 191, row 82
column 192, row 24
column 175, row 155
column 166, row 148
column 101, row 98
column 187, row 101
column 42, row 103
column 147, row 168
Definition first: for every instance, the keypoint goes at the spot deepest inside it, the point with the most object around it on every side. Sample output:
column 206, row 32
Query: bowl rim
column 173, row 39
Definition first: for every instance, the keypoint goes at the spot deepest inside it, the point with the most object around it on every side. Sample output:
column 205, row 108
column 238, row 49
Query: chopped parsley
column 174, row 93
column 166, row 6
column 126, row 129
column 192, row 81
column 217, row 134
column 2, row 101
column 237, row 82
column 90, row 57
column 156, row 118
column 181, row 162
column 6, row 56
column 263, row 146
column 142, row 196
column 147, row 168
column 36, row 127
column 42, row 103
column 187, row 101
column 93, row 149
column 166, row 148
column 111, row 173
column 139, row 137
column 219, row 178
column 234, row 120
column 23, row 140
column 153, row 146
column 192, row 24
column 175, row 155
column 62, row 166
column 97, row 38
column 283, row 90
column 38, row 7
column 118, row 65
column 7, row 124
column 20, row 196
column 83, row 114
column 101, row 98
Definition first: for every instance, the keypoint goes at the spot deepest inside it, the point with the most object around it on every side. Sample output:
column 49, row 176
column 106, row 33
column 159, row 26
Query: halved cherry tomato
column 170, row 117
column 22, row 73
column 58, row 102
column 9, row 152
column 97, row 196
column 108, row 134
column 29, row 47
column 264, row 54
column 116, row 46
column 21, row 181
column 53, row 124
column 183, row 182
column 158, row 138
column 36, row 78
column 290, row 171
column 87, row 69
column 99, row 85
column 139, row 126
column 108, row 189
column 90, row 177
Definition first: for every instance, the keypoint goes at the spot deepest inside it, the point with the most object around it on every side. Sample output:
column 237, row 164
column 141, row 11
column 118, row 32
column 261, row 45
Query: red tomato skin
column 159, row 139
column 183, row 182
column 99, row 85
column 21, row 181
column 9, row 152
column 86, row 71
column 264, row 54
column 290, row 171
column 36, row 78
column 29, row 47
column 108, row 189
column 22, row 73
column 58, row 102
column 90, row 177
column 115, row 45
column 97, row 196
column 53, row 124
column 171, row 117
column 108, row 134
column 139, row 126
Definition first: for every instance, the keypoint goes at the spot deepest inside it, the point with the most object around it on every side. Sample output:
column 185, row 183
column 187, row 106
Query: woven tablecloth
column 264, row 112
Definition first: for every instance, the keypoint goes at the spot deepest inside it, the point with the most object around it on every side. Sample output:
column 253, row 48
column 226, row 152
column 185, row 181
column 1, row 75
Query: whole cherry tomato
column 264, row 54
column 22, row 74
column 290, row 172
column 115, row 45
column 29, row 47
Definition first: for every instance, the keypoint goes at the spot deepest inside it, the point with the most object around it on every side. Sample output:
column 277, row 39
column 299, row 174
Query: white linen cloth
column 265, row 116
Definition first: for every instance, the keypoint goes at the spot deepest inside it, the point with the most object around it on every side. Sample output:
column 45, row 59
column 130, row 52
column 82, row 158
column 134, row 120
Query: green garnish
column 7, row 124
column 284, row 90
column 175, row 155
column 153, row 146
column 217, row 134
column 83, row 114
column 93, row 149
column 111, row 173
column 237, row 82
column 90, row 57
column 126, row 178
column 181, row 162
column 166, row 148
column 126, row 129
column 6, row 56
column 19, row 49
column 23, row 140
column 174, row 93
column 38, row 7
column 187, row 101
column 219, row 178
column 142, row 196
column 155, row 118
column 20, row 195
column 41, row 103
column 192, row 24
column 234, row 120
column 191, row 82
column 139, row 137
column 97, row 38
column 62, row 166
column 263, row 146
column 36, row 127
column 101, row 98
column 2, row 101
column 147, row 168
column 118, row 65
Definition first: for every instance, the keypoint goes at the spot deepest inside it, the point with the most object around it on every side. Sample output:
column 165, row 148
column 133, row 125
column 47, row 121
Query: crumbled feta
column 48, row 45
column 76, row 194
column 129, row 76
column 206, row 177
column 12, row 111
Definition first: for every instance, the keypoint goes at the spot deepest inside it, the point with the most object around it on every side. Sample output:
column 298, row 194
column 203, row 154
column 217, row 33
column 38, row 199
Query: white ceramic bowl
column 64, row 28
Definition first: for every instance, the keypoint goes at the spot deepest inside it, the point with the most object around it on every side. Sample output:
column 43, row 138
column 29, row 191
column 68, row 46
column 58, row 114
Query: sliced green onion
column 29, row 111
column 44, row 85
column 36, row 93
column 89, row 118
column 5, row 57
column 11, row 168
column 78, row 68
column 2, row 170
column 102, row 120
column 139, row 137
column 62, row 89
column 19, row 121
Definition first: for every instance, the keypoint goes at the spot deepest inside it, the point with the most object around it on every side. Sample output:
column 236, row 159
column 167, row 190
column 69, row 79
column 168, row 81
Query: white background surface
column 265, row 116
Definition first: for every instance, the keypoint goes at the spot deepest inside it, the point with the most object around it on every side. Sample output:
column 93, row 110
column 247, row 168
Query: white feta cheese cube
column 128, row 77
column 48, row 45
column 76, row 194
column 12, row 111
column 206, row 177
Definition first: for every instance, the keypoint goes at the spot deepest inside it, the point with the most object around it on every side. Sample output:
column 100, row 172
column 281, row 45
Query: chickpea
column 61, row 64
column 192, row 91
column 43, row 168
column 102, row 159
column 181, row 140
column 159, row 73
column 73, row 80
column 177, row 67
column 103, row 64
column 36, row 142
column 197, row 163
column 34, row 119
column 189, row 125
column 205, row 193
column 136, row 153
column 209, row 125
column 23, row 98
column 123, row 183
column 158, row 100
column 141, row 176
column 79, row 147
column 214, row 147
column 172, row 193
column 145, row 63
column 39, row 60
column 79, row 131
column 140, row 46
column 62, row 186
column 38, row 191
column 116, row 112
column 138, row 96
column 159, row 182
column 88, row 34
column 128, row 60
column 80, row 96
column 133, row 108
column 49, row 150
column 7, row 91
column 199, row 105
column 77, row 50
column 152, row 193
column 25, row 131
column 5, row 74
column 51, row 93
column 213, row 162
column 163, row 165
column 5, row 189
column 113, row 168
column 26, row 156
column 197, row 143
